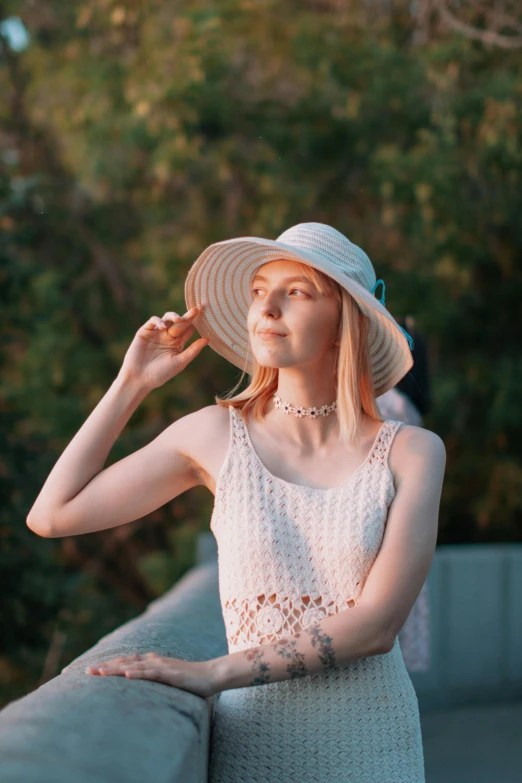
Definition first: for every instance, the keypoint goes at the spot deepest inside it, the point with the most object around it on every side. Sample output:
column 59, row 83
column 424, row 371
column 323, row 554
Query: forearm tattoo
column 286, row 649
column 263, row 669
column 324, row 643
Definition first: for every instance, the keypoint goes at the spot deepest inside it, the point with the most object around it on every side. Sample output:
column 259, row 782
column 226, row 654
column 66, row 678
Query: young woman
column 325, row 516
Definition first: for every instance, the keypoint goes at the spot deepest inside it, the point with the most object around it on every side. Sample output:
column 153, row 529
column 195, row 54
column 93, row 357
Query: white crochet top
column 291, row 554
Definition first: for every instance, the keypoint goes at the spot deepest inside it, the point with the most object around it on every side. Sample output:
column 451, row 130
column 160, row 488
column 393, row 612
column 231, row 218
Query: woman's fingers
column 152, row 666
column 188, row 316
column 181, row 326
column 177, row 320
column 121, row 668
column 171, row 316
column 124, row 660
column 155, row 322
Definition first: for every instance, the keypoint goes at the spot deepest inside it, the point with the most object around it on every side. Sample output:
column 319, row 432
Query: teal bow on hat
column 382, row 300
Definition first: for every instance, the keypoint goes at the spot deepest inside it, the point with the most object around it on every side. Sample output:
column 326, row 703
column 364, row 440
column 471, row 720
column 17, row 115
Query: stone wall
column 79, row 728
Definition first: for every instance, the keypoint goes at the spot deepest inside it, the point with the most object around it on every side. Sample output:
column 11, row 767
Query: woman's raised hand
column 156, row 354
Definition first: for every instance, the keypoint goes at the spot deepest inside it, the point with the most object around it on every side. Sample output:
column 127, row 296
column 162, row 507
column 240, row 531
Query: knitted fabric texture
column 290, row 555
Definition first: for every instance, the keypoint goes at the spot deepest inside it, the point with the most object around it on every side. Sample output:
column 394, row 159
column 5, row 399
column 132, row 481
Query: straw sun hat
column 221, row 276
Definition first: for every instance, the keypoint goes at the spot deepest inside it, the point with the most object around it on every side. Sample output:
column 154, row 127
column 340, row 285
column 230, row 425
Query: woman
column 325, row 532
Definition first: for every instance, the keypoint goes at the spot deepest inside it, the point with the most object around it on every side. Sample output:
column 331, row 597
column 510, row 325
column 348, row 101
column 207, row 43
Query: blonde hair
column 354, row 381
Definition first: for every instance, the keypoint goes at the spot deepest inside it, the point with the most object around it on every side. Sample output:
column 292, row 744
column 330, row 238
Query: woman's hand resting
column 196, row 677
column 156, row 354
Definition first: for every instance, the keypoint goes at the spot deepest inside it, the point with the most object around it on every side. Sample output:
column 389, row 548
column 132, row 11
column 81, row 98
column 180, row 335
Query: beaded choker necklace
column 312, row 413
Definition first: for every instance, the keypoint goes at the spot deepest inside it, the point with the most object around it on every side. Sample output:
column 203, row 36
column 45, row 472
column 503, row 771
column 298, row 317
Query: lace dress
column 288, row 556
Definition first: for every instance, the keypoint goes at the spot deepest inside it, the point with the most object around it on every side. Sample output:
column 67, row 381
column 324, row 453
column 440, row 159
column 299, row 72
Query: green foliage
column 135, row 135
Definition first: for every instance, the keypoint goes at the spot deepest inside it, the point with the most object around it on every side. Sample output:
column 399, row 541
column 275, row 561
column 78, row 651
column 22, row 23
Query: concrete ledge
column 110, row 730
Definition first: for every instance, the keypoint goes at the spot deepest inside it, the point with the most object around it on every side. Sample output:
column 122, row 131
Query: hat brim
column 221, row 278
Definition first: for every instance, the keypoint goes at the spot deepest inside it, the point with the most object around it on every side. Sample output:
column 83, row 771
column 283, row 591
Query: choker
column 312, row 413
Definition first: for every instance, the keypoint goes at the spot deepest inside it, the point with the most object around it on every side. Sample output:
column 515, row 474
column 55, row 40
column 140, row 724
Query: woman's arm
column 78, row 495
column 86, row 454
column 343, row 637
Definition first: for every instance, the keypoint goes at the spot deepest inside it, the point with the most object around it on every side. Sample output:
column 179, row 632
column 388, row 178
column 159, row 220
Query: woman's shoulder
column 204, row 436
column 211, row 421
column 217, row 414
column 412, row 443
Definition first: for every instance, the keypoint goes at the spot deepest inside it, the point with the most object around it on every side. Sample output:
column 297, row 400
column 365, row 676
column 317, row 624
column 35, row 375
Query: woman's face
column 304, row 320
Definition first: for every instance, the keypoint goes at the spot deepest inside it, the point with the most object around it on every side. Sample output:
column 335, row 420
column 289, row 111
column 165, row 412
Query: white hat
column 221, row 278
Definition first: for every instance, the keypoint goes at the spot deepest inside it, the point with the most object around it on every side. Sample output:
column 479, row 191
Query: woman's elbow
column 42, row 527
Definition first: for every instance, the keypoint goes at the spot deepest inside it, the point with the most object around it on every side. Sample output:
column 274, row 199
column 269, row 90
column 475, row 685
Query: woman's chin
column 273, row 362
column 269, row 363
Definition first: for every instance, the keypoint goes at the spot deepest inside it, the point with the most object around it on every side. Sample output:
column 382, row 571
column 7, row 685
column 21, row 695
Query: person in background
column 409, row 401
